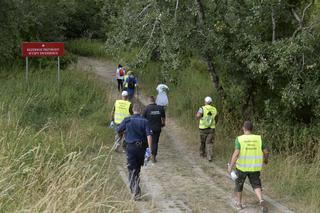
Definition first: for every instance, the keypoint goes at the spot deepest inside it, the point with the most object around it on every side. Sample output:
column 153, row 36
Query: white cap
column 208, row 100
column 124, row 93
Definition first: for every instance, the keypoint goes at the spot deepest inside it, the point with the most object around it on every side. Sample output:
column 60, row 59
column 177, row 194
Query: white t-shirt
column 162, row 98
column 118, row 73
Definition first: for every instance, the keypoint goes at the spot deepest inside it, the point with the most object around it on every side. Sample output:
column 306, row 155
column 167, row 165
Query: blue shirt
column 136, row 128
column 134, row 80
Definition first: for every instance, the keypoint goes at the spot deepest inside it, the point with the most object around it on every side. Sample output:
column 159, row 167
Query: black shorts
column 254, row 178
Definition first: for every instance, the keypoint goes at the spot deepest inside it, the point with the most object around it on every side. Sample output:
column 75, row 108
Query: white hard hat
column 208, row 100
column 124, row 93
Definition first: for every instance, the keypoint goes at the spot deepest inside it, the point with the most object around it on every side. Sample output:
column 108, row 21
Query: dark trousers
column 120, row 84
column 135, row 158
column 155, row 141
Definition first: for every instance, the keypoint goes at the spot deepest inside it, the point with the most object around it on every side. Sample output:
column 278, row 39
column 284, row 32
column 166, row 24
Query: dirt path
column 180, row 181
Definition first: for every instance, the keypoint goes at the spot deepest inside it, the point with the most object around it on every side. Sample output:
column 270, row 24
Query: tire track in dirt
column 178, row 182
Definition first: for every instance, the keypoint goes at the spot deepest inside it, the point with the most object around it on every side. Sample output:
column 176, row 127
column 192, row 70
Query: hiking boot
column 263, row 206
column 238, row 206
column 154, row 159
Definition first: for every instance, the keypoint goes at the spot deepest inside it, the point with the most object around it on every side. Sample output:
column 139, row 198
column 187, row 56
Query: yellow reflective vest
column 251, row 155
column 125, row 84
column 121, row 110
column 208, row 117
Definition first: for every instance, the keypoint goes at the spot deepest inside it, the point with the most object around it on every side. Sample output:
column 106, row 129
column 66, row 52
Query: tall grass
column 54, row 146
column 86, row 47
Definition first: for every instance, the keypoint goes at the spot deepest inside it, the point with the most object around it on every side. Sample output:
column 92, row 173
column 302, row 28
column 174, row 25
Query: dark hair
column 247, row 125
column 152, row 99
column 119, row 66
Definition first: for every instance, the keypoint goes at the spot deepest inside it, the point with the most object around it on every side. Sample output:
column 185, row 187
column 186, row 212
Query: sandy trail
column 178, row 182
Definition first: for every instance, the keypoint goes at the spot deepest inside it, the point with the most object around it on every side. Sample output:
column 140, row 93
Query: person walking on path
column 208, row 118
column 138, row 136
column 120, row 73
column 157, row 118
column 122, row 108
column 249, row 155
column 162, row 98
column 131, row 84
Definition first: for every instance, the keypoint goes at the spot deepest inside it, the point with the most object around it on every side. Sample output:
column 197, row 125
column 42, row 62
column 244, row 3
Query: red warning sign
column 42, row 49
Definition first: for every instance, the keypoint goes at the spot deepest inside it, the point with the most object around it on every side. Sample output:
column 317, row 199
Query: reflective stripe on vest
column 125, row 84
column 121, row 110
column 206, row 109
column 251, row 155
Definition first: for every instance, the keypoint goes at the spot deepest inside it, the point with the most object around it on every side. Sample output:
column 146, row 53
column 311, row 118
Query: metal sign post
column 58, row 70
column 27, row 69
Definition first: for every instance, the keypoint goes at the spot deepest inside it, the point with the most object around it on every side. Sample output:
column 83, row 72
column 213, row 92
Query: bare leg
column 258, row 192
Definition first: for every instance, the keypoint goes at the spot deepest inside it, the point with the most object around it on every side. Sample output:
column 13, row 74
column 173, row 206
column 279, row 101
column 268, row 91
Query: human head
column 247, row 126
column 119, row 65
column 130, row 73
column 124, row 95
column 208, row 100
column 151, row 99
column 136, row 108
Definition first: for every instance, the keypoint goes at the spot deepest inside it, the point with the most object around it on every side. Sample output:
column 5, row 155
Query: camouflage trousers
column 207, row 137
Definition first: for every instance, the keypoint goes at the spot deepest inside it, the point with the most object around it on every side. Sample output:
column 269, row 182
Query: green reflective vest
column 251, row 155
column 121, row 110
column 208, row 117
column 125, row 84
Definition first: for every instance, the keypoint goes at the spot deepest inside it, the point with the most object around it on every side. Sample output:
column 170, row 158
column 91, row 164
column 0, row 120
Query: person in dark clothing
column 138, row 136
column 156, row 116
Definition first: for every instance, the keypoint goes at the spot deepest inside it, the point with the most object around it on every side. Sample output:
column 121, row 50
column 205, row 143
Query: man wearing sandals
column 249, row 156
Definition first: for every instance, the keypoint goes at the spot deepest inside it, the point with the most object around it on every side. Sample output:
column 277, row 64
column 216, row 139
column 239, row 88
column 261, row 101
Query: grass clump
column 53, row 145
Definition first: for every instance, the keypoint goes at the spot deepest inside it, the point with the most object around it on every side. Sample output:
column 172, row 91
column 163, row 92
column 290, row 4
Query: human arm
column 233, row 160
column 130, row 109
column 163, row 117
column 149, row 135
column 265, row 156
column 199, row 113
column 149, row 138
column 122, row 126
column 216, row 119
column 112, row 113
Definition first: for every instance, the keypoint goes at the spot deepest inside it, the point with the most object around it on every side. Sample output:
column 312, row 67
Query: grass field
column 54, row 145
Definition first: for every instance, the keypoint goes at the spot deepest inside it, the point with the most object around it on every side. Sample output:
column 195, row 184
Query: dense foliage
column 46, row 20
column 263, row 56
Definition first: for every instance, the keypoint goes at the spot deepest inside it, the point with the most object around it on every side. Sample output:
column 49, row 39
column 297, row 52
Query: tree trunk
column 207, row 55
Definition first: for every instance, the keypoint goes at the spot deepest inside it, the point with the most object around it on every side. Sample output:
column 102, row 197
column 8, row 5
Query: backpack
column 121, row 72
column 208, row 120
column 131, row 83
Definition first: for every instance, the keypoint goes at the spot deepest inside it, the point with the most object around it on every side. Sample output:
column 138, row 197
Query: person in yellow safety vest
column 249, row 156
column 121, row 109
column 208, row 117
column 125, row 84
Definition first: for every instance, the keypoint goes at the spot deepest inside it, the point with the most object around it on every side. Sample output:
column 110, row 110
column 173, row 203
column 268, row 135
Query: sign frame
column 42, row 49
